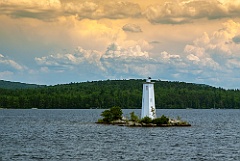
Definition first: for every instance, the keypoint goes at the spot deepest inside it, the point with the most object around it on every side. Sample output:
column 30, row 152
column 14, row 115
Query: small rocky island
column 113, row 116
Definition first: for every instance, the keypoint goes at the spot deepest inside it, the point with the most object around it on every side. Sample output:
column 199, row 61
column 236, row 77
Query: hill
column 123, row 93
column 17, row 85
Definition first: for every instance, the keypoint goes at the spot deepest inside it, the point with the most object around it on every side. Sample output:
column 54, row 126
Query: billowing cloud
column 188, row 11
column 52, row 9
column 10, row 68
column 193, row 58
column 113, row 10
column 217, row 54
column 210, row 59
column 61, row 62
column 114, row 61
column 132, row 28
column 118, row 61
column 166, row 56
column 7, row 64
column 168, row 12
column 221, row 43
column 44, row 9
column 115, row 51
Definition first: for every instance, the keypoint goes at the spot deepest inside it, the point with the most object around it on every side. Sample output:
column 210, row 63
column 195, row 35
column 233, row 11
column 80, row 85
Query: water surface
column 73, row 135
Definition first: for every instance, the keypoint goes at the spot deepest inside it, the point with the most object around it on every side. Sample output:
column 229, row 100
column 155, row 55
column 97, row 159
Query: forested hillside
column 123, row 93
column 17, row 85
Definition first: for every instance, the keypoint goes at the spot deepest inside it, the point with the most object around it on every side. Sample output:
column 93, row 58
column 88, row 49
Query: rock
column 144, row 124
column 164, row 125
column 130, row 123
column 124, row 118
column 172, row 121
column 150, row 125
column 133, row 124
column 137, row 124
column 125, row 122
column 118, row 122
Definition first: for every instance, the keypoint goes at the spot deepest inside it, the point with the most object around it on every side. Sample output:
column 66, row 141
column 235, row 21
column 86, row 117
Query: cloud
column 118, row 61
column 167, row 13
column 100, row 10
column 233, row 63
column 236, row 39
column 154, row 42
column 132, row 28
column 8, row 64
column 53, row 9
column 168, row 56
column 43, row 4
column 188, row 11
column 10, row 69
column 114, row 61
column 210, row 59
column 115, row 51
column 61, row 62
column 219, row 43
column 5, row 74
column 216, row 51
column 44, row 9
column 193, row 58
column 217, row 54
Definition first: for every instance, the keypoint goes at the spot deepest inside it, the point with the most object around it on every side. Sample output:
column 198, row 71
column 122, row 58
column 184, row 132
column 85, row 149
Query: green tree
column 114, row 113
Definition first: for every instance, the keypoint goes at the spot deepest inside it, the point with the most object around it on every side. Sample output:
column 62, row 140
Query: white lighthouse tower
column 148, row 100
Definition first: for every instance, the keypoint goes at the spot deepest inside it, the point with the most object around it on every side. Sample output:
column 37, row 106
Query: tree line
column 123, row 93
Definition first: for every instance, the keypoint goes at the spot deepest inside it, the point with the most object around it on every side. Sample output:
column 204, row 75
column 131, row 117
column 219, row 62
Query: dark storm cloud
column 187, row 12
column 45, row 10
column 236, row 39
column 132, row 28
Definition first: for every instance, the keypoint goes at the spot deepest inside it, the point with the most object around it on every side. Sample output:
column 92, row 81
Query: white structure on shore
column 148, row 100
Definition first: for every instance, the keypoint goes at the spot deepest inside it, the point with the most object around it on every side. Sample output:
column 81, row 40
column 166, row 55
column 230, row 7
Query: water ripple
column 72, row 135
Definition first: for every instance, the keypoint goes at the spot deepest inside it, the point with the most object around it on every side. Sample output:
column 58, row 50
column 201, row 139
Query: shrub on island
column 161, row 120
column 114, row 113
column 146, row 120
column 134, row 117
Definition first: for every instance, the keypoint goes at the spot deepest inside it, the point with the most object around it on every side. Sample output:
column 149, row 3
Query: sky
column 61, row 41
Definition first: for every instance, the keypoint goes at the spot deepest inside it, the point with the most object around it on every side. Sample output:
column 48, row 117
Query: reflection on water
column 73, row 135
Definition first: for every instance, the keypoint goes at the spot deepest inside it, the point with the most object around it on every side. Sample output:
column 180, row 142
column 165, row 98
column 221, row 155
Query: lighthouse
column 148, row 100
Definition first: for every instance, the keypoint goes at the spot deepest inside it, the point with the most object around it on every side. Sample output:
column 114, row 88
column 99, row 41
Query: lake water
column 73, row 135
